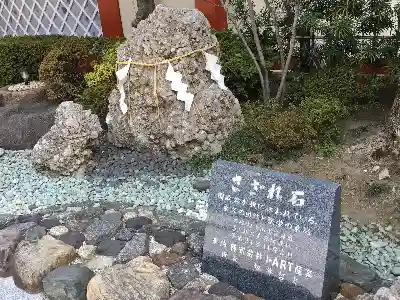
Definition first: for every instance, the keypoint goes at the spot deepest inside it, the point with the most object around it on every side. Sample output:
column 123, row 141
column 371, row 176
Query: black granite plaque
column 272, row 234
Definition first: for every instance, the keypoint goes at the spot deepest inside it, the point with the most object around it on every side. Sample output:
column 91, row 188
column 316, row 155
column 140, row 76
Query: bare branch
column 272, row 10
column 254, row 29
column 290, row 54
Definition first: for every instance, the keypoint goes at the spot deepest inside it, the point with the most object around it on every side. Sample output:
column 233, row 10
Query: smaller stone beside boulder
column 34, row 260
column 73, row 238
column 224, row 289
column 65, row 148
column 8, row 242
column 110, row 247
column 99, row 262
column 169, row 237
column 351, row 291
column 67, row 283
column 180, row 274
column 193, row 294
column 101, row 230
column 35, row 233
column 202, row 283
column 139, row 279
column 137, row 246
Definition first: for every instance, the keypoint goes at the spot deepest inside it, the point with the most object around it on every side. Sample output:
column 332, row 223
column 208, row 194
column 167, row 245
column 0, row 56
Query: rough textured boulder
column 64, row 148
column 21, row 126
column 139, row 279
column 34, row 260
column 67, row 283
column 215, row 113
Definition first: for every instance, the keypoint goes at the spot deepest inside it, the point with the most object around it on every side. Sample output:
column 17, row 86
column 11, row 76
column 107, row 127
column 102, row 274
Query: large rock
column 33, row 261
column 65, row 148
column 139, row 279
column 9, row 239
column 67, row 283
column 21, row 127
column 193, row 294
column 215, row 113
column 22, row 94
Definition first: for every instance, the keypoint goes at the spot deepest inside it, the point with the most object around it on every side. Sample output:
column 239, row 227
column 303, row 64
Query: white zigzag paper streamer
column 178, row 86
column 215, row 69
column 122, row 77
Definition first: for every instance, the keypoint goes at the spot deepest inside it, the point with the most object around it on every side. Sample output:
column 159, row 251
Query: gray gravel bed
column 140, row 179
column 22, row 186
column 372, row 245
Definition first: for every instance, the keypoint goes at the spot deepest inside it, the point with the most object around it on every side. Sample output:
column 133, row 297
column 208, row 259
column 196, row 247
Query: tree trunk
column 290, row 54
column 246, row 45
column 144, row 9
column 393, row 124
column 254, row 29
column 272, row 11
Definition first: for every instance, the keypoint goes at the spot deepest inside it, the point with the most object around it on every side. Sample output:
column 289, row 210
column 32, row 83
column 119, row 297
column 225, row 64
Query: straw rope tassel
column 155, row 92
column 155, row 65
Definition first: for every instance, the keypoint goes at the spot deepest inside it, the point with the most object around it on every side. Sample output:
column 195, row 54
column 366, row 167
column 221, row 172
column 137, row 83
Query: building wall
column 128, row 9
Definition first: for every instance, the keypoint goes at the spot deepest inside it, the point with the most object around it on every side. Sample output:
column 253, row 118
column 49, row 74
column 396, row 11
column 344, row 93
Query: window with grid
column 44, row 17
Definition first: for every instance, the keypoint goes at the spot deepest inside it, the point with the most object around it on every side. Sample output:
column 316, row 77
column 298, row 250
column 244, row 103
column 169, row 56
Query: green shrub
column 64, row 67
column 340, row 82
column 324, row 113
column 347, row 84
column 285, row 131
column 100, row 83
column 21, row 52
column 237, row 66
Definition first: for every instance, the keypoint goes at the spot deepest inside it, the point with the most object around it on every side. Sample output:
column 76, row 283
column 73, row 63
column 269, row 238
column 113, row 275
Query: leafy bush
column 324, row 113
column 287, row 130
column 340, row 81
column 100, row 83
column 21, row 52
column 238, row 67
column 345, row 82
column 64, row 67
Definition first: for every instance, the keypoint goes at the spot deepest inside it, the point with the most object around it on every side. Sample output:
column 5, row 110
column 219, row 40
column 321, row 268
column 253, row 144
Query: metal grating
column 44, row 17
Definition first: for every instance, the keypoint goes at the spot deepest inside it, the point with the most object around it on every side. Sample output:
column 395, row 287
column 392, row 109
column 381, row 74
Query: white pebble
column 100, row 262
column 58, row 231
column 87, row 251
column 155, row 247
column 129, row 215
